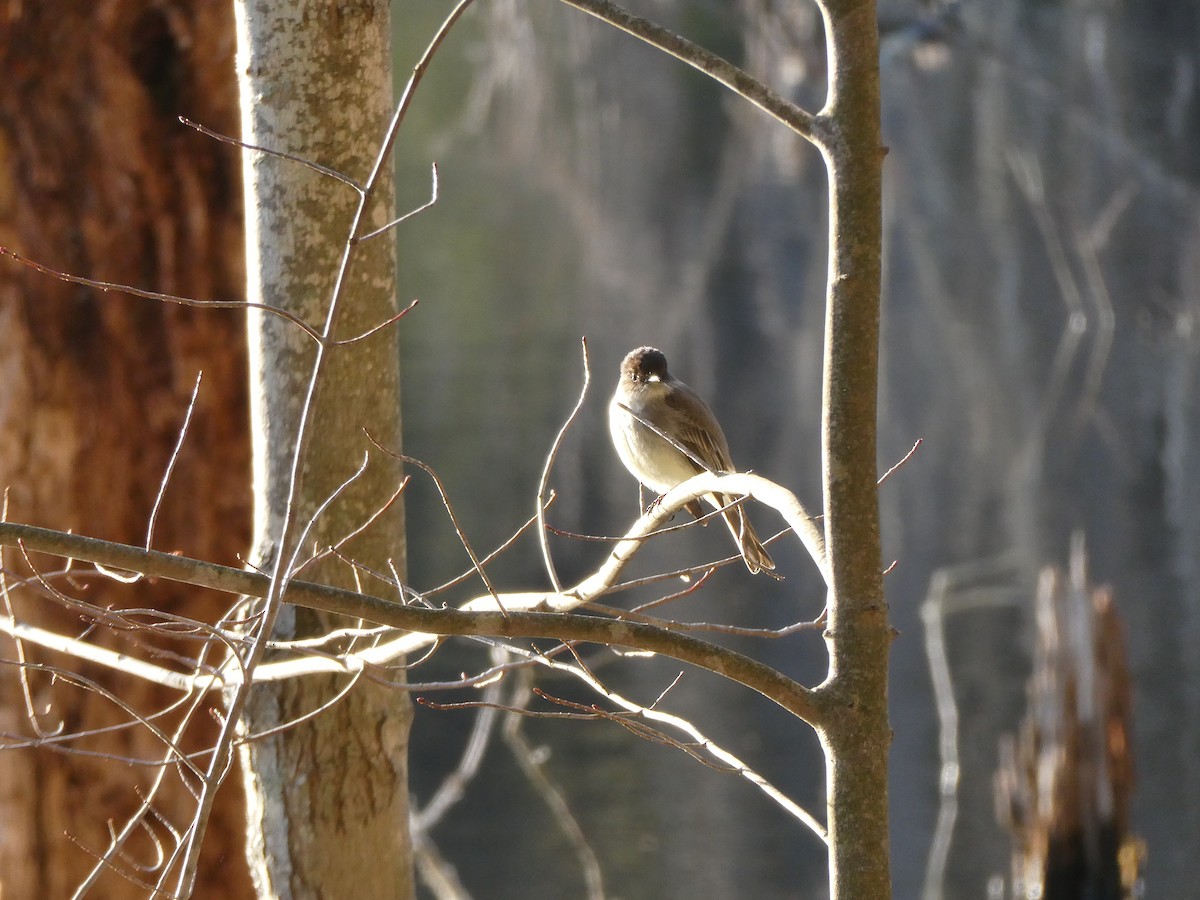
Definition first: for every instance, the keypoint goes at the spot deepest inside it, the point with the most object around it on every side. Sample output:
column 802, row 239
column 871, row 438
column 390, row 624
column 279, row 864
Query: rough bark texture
column 99, row 179
column 328, row 799
column 854, row 721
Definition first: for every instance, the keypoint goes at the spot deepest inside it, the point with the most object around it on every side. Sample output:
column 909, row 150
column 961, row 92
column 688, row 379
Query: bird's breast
column 651, row 460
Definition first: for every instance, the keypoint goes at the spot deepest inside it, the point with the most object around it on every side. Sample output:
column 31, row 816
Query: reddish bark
column 98, row 178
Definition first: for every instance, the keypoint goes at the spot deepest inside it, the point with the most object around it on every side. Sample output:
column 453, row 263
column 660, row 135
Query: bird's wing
column 697, row 429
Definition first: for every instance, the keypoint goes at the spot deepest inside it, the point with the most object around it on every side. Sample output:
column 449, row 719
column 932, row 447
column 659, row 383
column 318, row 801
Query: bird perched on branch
column 651, row 403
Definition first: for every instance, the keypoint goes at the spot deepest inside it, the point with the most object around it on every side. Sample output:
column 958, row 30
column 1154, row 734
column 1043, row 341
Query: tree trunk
column 328, row 798
column 98, row 178
column 855, row 732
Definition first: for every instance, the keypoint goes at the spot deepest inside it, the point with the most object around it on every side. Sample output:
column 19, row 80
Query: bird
column 648, row 393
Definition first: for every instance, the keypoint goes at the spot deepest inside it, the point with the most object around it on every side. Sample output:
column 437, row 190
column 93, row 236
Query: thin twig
column 631, row 723
column 462, row 536
column 118, row 840
column 166, row 478
column 512, row 539
column 26, row 691
column 678, row 595
column 279, row 154
column 338, row 490
column 720, row 628
column 345, row 539
column 433, row 197
column 904, row 459
column 678, row 722
column 701, row 465
column 635, row 615
column 107, row 286
column 112, row 286
column 721, row 70
column 534, row 770
column 700, row 744
column 363, row 335
column 293, row 721
column 75, row 679
column 666, row 529
column 1098, row 356
column 543, row 483
column 453, row 786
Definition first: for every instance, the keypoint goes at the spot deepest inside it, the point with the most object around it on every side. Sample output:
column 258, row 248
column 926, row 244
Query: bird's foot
column 654, row 504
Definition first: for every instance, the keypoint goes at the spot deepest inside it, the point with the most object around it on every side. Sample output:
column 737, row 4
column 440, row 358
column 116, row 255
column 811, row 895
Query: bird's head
column 644, row 366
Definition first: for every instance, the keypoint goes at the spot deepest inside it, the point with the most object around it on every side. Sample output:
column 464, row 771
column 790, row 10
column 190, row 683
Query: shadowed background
column 1039, row 336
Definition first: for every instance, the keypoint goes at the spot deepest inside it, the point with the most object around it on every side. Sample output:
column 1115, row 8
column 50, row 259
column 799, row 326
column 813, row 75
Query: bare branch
column 371, row 519
column 462, row 537
column 694, row 586
column 453, row 787
column 424, row 624
column 433, row 196
column 166, row 478
column 374, row 329
column 717, row 68
column 11, row 622
column 117, row 840
column 543, row 538
column 701, row 742
column 635, row 720
column 904, row 459
column 93, row 653
column 295, row 720
column 437, row 874
column 279, row 154
column 512, row 539
column 74, row 679
column 531, row 764
column 324, row 505
column 107, row 286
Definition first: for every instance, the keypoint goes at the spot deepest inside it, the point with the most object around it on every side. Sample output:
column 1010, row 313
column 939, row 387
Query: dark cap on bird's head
column 644, row 364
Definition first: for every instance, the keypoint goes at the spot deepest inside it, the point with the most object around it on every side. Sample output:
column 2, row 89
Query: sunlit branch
column 425, row 624
column 322, row 507
column 903, row 461
column 544, row 482
column 166, row 478
column 433, row 197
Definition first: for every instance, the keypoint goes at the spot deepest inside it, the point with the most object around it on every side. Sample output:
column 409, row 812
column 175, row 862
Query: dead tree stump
column 1064, row 786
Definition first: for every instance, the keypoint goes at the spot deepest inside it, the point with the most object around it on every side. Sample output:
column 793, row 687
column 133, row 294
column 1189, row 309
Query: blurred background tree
column 1039, row 335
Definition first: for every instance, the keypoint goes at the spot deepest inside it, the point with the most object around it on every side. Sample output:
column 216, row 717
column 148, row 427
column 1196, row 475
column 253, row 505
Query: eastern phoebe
column 648, row 391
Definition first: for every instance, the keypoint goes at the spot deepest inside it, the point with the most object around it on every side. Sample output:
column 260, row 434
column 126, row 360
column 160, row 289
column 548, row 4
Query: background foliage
column 1039, row 334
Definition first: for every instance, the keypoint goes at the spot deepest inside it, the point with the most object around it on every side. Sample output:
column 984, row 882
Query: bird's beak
column 654, row 378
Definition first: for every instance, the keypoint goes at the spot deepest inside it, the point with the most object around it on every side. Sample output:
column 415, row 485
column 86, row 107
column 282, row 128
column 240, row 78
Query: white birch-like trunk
column 328, row 799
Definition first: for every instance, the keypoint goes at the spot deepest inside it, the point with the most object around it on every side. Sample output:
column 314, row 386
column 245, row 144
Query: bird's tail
column 754, row 554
